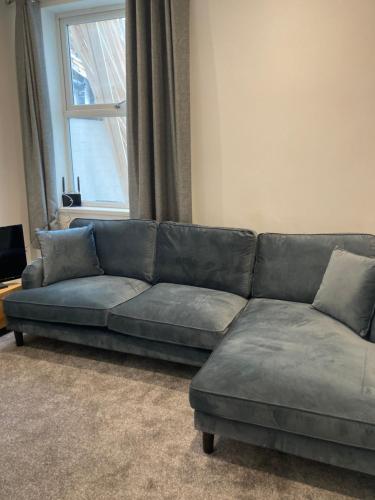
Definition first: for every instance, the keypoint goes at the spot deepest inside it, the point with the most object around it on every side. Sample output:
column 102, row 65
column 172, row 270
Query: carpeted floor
column 80, row 423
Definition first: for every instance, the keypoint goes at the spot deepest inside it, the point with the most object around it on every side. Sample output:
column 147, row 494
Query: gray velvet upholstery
column 82, row 301
column 291, row 266
column 32, row 276
column 68, row 253
column 125, row 247
column 350, row 457
column 178, row 314
column 372, row 331
column 288, row 367
column 284, row 375
column 347, row 292
column 207, row 257
column 104, row 339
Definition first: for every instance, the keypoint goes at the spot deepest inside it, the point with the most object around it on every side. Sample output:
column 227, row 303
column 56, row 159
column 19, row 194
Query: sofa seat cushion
column 178, row 314
column 81, row 301
column 289, row 367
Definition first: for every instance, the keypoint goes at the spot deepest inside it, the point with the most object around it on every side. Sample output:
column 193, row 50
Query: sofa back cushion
column 208, row 257
column 124, row 247
column 291, row 266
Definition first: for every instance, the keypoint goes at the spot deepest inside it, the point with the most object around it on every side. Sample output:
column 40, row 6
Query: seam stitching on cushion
column 57, row 305
column 319, row 234
column 289, row 432
column 92, row 221
column 198, row 226
column 135, row 318
column 73, row 306
column 281, row 406
column 77, row 323
column 150, row 339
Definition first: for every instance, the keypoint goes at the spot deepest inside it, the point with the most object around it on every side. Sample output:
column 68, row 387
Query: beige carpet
column 81, row 423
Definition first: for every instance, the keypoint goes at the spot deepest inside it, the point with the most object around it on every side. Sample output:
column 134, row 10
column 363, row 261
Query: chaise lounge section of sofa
column 288, row 376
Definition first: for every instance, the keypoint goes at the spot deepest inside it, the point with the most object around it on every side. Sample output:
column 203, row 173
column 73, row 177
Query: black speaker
column 71, row 199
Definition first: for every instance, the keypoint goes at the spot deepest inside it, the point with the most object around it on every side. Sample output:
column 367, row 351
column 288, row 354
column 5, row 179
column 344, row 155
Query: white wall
column 12, row 182
column 283, row 114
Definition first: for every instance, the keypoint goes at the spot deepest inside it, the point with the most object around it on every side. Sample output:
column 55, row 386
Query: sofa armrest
column 32, row 276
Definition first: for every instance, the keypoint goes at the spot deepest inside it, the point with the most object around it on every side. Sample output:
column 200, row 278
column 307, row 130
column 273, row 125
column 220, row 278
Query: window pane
column 99, row 158
column 97, row 61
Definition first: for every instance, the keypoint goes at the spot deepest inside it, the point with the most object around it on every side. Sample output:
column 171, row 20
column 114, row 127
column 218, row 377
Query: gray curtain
column 35, row 119
column 158, row 109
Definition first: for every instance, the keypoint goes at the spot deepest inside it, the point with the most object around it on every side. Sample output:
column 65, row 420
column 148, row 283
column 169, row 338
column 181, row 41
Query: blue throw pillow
column 68, row 253
column 347, row 291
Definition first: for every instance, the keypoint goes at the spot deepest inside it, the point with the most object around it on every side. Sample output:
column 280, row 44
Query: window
column 93, row 55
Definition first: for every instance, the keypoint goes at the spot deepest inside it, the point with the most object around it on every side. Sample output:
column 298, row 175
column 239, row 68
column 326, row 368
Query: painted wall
column 12, row 182
column 283, row 114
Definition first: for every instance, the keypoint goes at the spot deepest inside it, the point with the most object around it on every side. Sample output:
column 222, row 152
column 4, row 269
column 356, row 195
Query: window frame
column 71, row 110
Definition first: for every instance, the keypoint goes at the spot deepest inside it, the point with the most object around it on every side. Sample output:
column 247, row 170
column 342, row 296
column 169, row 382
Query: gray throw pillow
column 347, row 291
column 68, row 253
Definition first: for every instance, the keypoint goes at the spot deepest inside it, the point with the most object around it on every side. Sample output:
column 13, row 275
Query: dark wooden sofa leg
column 19, row 338
column 208, row 442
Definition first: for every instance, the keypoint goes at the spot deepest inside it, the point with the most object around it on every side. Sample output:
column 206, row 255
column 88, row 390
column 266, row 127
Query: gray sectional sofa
column 282, row 375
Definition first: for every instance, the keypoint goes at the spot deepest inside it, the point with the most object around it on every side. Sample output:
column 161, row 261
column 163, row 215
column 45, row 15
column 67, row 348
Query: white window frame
column 72, row 110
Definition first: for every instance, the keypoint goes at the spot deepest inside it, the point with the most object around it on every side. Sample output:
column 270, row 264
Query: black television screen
column 12, row 252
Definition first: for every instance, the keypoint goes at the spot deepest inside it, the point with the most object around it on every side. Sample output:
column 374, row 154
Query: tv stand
column 3, row 285
column 10, row 288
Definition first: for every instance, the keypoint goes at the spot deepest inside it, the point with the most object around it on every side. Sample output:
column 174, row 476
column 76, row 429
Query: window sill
column 67, row 214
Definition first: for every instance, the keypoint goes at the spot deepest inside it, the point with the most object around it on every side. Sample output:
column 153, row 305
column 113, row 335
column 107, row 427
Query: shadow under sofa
column 282, row 375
